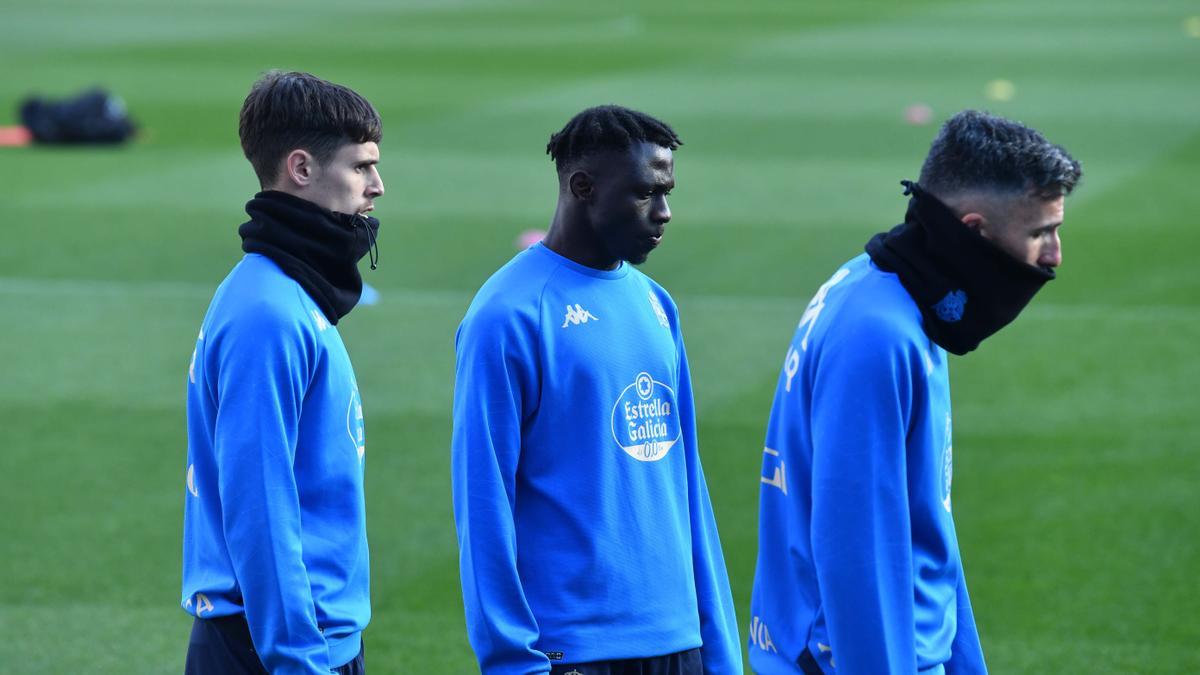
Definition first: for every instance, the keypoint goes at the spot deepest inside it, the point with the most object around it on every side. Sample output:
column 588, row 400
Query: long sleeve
column 263, row 365
column 966, row 654
column 861, row 530
column 722, row 651
column 495, row 388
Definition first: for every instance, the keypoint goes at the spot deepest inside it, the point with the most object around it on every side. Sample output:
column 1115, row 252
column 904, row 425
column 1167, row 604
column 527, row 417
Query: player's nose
column 1051, row 255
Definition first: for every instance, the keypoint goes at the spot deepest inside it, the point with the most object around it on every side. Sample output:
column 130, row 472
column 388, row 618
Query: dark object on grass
column 93, row 117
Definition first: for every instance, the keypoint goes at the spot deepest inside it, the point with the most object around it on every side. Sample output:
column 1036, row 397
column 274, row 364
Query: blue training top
column 858, row 561
column 275, row 522
column 584, row 523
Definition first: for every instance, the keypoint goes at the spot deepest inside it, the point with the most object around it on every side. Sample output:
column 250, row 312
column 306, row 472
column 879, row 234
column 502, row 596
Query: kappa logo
column 322, row 324
column 577, row 315
column 658, row 310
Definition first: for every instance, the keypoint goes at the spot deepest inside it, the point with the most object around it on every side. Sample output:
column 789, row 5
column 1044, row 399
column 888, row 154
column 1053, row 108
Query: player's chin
column 637, row 256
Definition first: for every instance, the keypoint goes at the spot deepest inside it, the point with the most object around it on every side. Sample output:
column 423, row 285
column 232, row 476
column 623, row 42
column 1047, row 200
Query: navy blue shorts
column 222, row 646
column 680, row 663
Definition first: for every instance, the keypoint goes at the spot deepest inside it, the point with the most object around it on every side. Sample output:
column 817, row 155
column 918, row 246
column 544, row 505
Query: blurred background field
column 1077, row 484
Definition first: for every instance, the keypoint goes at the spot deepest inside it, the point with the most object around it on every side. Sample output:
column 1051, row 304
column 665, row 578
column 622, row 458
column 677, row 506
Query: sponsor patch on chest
column 645, row 421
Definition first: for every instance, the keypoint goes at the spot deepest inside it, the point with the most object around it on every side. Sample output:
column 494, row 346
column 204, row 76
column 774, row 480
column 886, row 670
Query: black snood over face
column 967, row 287
column 317, row 247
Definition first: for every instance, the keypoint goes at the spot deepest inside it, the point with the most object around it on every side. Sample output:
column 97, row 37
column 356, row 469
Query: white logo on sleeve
column 191, row 480
column 658, row 310
column 192, row 366
column 322, row 324
column 577, row 315
column 947, row 465
column 354, row 423
column 644, row 420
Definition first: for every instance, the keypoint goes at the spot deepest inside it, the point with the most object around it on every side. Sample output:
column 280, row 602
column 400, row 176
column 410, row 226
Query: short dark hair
column 286, row 111
column 607, row 128
column 979, row 151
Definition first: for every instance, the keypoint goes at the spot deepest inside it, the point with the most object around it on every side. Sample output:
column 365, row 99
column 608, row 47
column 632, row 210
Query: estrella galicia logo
column 354, row 422
column 644, row 420
column 950, row 308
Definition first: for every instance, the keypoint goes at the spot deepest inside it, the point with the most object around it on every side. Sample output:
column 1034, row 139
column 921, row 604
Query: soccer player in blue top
column 859, row 570
column 274, row 529
column 586, row 536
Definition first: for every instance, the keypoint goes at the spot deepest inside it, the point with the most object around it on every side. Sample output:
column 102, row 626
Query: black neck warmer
column 317, row 247
column 967, row 287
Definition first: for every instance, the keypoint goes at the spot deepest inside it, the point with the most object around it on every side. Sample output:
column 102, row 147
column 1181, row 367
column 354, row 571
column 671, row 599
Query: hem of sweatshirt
column 343, row 650
column 615, row 647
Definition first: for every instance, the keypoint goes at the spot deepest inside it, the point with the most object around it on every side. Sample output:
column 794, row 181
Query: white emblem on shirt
column 191, row 480
column 322, row 324
column 354, row 423
column 644, row 422
column 658, row 310
column 577, row 315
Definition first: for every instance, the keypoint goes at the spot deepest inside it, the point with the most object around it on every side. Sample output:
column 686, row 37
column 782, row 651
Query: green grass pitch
column 1077, row 490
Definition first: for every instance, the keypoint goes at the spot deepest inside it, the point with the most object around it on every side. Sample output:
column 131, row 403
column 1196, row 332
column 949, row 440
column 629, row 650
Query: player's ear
column 581, row 185
column 298, row 168
column 975, row 221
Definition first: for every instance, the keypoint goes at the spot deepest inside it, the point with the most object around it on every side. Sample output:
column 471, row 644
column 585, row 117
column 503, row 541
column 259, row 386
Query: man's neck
column 571, row 238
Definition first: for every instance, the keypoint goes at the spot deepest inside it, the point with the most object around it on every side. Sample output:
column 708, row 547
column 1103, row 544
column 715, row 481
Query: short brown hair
column 286, row 111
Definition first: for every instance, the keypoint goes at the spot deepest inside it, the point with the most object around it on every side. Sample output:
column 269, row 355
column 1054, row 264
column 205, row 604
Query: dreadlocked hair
column 607, row 128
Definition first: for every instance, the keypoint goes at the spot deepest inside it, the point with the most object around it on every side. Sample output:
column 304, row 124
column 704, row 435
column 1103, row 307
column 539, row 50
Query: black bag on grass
column 95, row 116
